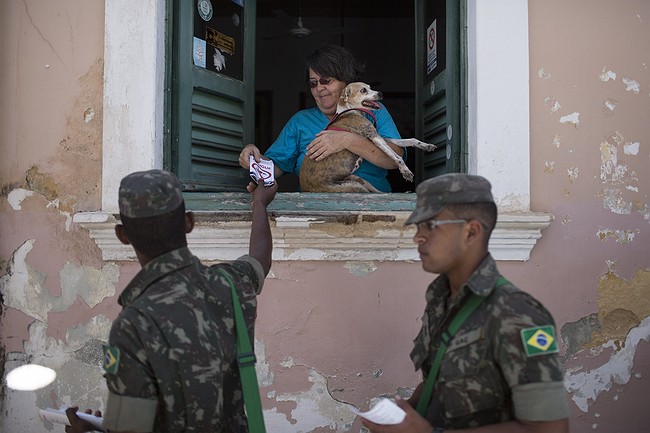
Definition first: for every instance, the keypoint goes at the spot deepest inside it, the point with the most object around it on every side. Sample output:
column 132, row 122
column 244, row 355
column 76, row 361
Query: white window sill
column 331, row 235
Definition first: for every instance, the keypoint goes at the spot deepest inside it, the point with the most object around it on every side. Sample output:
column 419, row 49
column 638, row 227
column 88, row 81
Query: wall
column 590, row 138
column 337, row 333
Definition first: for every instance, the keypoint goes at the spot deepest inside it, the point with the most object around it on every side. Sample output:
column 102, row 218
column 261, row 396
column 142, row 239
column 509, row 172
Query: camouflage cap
column 149, row 193
column 434, row 194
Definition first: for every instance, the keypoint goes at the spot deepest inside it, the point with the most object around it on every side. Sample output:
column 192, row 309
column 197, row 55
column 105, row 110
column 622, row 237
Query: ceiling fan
column 298, row 30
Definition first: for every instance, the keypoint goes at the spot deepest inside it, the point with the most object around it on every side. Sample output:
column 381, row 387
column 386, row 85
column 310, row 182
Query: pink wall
column 331, row 334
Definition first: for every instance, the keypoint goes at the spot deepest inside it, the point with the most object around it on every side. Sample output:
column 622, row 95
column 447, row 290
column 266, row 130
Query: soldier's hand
column 413, row 422
column 262, row 194
column 78, row 425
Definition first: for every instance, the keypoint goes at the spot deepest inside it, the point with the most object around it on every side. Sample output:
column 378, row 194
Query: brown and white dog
column 335, row 173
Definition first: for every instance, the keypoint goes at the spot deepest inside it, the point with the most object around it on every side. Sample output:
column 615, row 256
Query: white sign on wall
column 432, row 47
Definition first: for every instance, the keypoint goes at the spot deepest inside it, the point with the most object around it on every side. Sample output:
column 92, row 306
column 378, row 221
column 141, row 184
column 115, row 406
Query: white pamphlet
column 384, row 412
column 262, row 171
column 58, row 416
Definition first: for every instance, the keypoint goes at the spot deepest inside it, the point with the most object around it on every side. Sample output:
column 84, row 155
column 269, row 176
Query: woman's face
column 325, row 95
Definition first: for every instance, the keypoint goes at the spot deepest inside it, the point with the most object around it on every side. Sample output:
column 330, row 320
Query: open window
column 329, row 227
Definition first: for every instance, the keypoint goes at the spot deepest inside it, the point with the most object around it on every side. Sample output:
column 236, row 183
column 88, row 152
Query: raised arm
column 329, row 142
column 261, row 243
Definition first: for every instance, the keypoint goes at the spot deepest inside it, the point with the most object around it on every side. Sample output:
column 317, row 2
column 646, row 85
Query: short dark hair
column 159, row 234
column 336, row 62
column 486, row 213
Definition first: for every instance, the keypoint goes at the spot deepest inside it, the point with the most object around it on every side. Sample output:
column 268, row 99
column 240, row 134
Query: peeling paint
column 611, row 104
column 549, row 167
column 23, row 288
column 543, row 74
column 573, row 173
column 557, row 139
column 16, row 197
column 571, row 119
column 575, row 335
column 89, row 115
column 360, row 269
column 631, row 85
column 620, row 236
column 315, row 408
column 618, row 178
column 631, row 148
column 555, row 106
column 607, row 75
column 93, row 285
column 263, row 370
column 587, row 386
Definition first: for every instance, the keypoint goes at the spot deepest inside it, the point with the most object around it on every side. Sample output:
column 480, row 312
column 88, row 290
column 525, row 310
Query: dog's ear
column 345, row 95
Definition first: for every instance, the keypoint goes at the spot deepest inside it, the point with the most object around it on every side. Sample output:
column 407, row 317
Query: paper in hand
column 58, row 416
column 262, row 171
column 384, row 412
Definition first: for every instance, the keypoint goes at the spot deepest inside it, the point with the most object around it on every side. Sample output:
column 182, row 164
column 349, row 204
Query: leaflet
column 262, row 171
column 58, row 416
column 384, row 412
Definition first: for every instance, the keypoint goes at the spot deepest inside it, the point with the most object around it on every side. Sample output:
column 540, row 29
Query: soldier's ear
column 121, row 234
column 189, row 222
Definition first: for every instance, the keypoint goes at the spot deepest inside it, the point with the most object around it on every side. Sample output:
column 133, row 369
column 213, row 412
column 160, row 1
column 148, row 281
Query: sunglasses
column 323, row 81
column 429, row 225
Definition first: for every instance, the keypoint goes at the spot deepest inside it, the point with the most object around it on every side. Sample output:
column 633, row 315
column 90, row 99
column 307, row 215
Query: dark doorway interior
column 383, row 38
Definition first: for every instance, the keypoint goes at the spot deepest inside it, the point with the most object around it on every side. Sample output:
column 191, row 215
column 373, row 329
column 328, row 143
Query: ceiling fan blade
column 268, row 38
column 334, row 30
column 285, row 18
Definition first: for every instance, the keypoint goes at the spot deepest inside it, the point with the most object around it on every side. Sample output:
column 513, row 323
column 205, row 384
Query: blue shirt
column 289, row 149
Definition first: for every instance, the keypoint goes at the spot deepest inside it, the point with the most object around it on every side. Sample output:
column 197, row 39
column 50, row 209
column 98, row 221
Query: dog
column 335, row 173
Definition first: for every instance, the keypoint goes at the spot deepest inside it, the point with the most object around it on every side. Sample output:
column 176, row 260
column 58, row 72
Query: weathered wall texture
column 338, row 333
column 590, row 149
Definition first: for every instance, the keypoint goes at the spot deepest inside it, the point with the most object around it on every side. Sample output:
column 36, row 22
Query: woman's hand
column 327, row 143
column 245, row 155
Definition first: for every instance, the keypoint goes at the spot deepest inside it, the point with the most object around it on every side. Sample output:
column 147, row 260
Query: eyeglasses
column 323, row 80
column 431, row 224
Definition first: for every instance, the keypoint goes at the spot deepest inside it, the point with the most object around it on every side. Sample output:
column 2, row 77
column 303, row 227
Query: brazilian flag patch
column 539, row 340
column 111, row 359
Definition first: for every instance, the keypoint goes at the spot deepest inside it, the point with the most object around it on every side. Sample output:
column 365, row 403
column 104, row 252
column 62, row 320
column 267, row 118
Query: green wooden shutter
column 440, row 87
column 211, row 112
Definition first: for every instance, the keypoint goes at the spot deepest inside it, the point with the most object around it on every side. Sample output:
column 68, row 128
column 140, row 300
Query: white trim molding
column 365, row 236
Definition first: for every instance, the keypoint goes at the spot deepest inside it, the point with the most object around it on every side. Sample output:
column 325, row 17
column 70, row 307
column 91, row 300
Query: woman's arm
column 329, row 142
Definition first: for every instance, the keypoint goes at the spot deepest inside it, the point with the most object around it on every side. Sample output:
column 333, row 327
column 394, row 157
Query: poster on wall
column 219, row 37
column 432, row 47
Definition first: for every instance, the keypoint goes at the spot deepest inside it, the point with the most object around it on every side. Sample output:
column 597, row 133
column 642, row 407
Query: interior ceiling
column 337, row 8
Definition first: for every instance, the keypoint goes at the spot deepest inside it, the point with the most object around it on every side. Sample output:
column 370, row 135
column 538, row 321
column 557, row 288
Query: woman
column 330, row 69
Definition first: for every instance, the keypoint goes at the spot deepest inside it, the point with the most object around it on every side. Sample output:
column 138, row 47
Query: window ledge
column 316, row 227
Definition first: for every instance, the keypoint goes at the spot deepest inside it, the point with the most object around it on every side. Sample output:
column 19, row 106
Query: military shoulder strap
column 447, row 335
column 246, row 362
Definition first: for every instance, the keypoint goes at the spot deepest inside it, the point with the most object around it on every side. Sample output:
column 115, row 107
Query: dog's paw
column 407, row 174
column 427, row 147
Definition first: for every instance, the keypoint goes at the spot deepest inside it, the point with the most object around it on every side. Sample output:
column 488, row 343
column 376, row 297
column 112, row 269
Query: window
column 498, row 144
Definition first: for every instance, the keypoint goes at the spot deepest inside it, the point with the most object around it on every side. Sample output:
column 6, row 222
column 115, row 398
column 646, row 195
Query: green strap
column 468, row 308
column 246, row 361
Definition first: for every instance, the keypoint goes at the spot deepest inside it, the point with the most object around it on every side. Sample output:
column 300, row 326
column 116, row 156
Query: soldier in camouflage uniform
column 170, row 365
column 501, row 371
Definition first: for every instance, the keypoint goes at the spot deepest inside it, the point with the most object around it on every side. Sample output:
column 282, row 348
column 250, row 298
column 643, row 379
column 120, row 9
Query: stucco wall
column 590, row 138
column 338, row 333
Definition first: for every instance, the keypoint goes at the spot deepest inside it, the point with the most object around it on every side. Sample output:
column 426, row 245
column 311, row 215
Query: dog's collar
column 365, row 110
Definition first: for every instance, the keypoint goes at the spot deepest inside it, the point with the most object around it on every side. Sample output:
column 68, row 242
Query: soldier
column 170, row 364
column 501, row 370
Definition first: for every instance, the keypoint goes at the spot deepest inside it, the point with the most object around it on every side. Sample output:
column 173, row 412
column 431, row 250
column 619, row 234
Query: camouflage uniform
column 177, row 369
column 171, row 359
column 486, row 376
column 502, row 364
